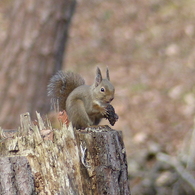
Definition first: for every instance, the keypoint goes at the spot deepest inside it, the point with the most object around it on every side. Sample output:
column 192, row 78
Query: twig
column 185, row 175
column 191, row 152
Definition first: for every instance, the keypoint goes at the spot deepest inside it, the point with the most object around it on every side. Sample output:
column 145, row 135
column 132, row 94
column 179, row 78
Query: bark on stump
column 103, row 162
column 38, row 160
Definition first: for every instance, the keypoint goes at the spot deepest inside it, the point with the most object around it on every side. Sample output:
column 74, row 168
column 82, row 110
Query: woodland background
column 149, row 49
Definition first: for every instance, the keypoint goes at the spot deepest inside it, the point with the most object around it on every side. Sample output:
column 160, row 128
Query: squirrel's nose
column 110, row 100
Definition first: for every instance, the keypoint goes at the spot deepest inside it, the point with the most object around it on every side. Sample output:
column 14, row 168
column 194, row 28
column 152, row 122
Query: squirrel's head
column 103, row 88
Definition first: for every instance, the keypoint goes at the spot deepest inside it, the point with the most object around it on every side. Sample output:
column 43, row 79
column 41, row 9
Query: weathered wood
column 16, row 176
column 103, row 162
column 55, row 163
column 65, row 161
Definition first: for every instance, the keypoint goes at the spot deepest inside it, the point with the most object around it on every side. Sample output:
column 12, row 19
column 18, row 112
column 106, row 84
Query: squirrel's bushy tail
column 60, row 86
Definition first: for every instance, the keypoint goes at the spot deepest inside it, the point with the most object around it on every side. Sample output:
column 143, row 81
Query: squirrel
column 85, row 105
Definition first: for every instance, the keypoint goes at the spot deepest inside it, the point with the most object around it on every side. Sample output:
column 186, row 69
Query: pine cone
column 111, row 115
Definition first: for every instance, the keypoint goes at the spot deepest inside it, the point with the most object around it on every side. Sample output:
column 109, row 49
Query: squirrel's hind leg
column 78, row 116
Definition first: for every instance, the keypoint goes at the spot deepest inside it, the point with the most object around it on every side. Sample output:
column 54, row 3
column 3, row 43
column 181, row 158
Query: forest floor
column 150, row 51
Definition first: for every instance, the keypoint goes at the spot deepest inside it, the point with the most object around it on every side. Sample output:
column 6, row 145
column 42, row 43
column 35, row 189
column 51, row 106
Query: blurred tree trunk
column 31, row 50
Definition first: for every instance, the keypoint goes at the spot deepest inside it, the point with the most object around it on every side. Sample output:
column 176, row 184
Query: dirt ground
column 149, row 49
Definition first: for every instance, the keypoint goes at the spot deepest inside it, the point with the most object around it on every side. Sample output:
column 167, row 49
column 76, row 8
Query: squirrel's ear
column 107, row 74
column 98, row 78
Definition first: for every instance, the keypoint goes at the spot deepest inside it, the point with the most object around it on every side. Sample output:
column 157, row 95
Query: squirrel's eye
column 102, row 89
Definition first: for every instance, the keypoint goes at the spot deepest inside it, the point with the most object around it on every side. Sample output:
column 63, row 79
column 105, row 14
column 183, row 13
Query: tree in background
column 32, row 45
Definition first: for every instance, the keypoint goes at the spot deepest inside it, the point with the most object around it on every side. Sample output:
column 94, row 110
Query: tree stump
column 16, row 176
column 36, row 159
column 103, row 162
